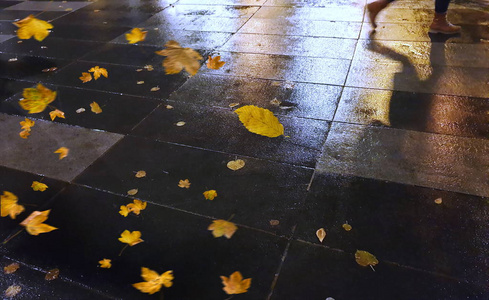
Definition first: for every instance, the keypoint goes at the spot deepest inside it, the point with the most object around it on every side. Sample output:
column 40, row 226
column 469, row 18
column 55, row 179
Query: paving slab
column 48, row 5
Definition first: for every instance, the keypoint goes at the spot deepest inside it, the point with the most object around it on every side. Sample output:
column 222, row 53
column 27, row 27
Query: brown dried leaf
column 321, row 234
column 11, row 268
column 132, row 192
column 141, row 174
column 52, row 274
column 12, row 291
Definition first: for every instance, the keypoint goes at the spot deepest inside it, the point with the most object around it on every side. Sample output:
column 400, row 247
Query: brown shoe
column 441, row 25
column 374, row 8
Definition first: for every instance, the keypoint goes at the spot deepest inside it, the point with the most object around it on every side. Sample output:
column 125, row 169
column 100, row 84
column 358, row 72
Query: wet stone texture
column 386, row 131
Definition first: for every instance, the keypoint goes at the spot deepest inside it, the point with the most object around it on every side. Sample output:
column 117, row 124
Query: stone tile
column 31, row 68
column 5, row 3
column 425, row 15
column 439, row 161
column 315, row 3
column 195, row 23
column 98, row 33
column 35, row 154
column 19, row 183
column 317, row 28
column 120, row 113
column 453, row 115
column 34, row 286
column 126, row 6
column 222, row 11
column 222, row 2
column 48, row 5
column 319, row 273
column 447, row 238
column 220, row 130
column 102, row 18
column 352, row 14
column 173, row 240
column 135, row 55
column 291, row 45
column 281, row 67
column 5, row 37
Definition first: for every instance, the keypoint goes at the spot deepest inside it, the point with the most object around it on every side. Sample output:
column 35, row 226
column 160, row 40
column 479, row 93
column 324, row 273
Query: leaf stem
column 232, row 216
column 12, row 236
column 120, row 253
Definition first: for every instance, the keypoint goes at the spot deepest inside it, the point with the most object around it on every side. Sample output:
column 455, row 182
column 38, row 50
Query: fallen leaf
column 12, row 291
column 169, row 107
column 139, row 70
column 184, row 184
column 56, row 113
column 215, row 63
column 153, row 281
column 210, row 194
column 140, row 82
column 131, row 238
column 34, row 223
column 233, row 105
column 321, row 234
column 11, row 268
column 235, row 284
column 86, row 77
column 49, row 70
column 80, row 110
column 346, row 227
column 27, row 124
column 140, row 174
column 222, row 228
column 155, row 89
column 124, row 211
column 236, row 164
column 9, row 206
column 137, row 206
column 32, row 27
column 365, row 258
column 275, row 102
column 37, row 99
column 180, row 124
column 132, row 192
column 97, row 71
column 136, row 35
column 438, row 200
column 12, row 59
column 95, row 107
column 105, row 263
column 52, row 274
column 25, row 134
column 63, row 152
column 38, row 186
column 178, row 58
column 274, row 222
column 149, row 68
column 260, row 121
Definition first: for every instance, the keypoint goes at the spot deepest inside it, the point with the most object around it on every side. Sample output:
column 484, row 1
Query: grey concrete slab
column 291, row 45
column 5, row 37
column 352, row 14
column 35, row 154
column 222, row 2
column 303, row 27
column 432, row 160
column 49, row 5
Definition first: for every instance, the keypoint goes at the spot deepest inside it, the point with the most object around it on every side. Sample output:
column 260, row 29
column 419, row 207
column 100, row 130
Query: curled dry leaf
column 97, row 71
column 260, row 121
column 32, row 27
column 52, row 274
column 49, row 70
column 149, row 68
column 140, row 82
column 26, row 126
column 180, row 124
column 274, row 222
column 235, row 284
column 139, row 70
column 155, row 89
column 132, row 192
column 236, row 164
column 438, row 200
column 215, row 63
column 364, row 258
column 210, row 194
column 346, row 227
column 95, row 107
column 169, row 107
column 34, row 223
column 131, row 238
column 38, row 186
column 12, row 291
column 56, row 113
column 140, row 174
column 37, row 99
column 153, row 281
column 222, row 228
column 184, row 184
column 9, row 206
column 105, row 263
column 11, row 268
column 86, row 77
column 178, row 58
column 63, row 152
column 136, row 35
column 321, row 234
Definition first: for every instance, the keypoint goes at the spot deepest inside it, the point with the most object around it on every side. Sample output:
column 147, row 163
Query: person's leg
column 375, row 7
column 440, row 23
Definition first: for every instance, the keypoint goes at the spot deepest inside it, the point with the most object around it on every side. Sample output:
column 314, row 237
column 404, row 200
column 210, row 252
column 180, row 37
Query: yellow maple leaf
column 153, row 281
column 37, row 99
column 124, row 211
column 222, row 228
column 260, row 121
column 97, row 71
column 235, row 284
column 63, row 152
column 131, row 238
column 210, row 194
column 56, row 113
column 27, row 124
column 215, row 63
column 184, row 184
column 105, row 263
column 86, row 77
column 95, row 107
column 137, row 206
column 38, row 186
column 32, row 27
column 9, row 206
column 34, row 223
column 136, row 35
column 24, row 134
column 364, row 258
column 178, row 58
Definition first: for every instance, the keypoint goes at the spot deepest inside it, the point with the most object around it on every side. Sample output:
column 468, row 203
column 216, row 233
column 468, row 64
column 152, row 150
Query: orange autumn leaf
column 27, row 124
column 32, row 27
column 137, row 206
column 184, row 184
column 105, row 263
column 38, row 186
column 124, row 211
column 34, row 223
column 25, row 134
column 9, row 206
column 37, row 99
column 153, row 281
column 11, row 268
column 63, row 152
column 97, row 71
column 95, row 107
column 222, row 228
column 178, row 58
column 131, row 238
column 215, row 63
column 210, row 195
column 136, row 35
column 56, row 113
column 235, row 284
column 86, row 77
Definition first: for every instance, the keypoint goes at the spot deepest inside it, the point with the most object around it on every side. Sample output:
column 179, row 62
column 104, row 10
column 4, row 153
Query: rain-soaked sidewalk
column 386, row 132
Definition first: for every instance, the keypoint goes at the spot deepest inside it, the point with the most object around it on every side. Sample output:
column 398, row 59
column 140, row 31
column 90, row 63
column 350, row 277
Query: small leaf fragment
column 140, row 82
column 52, row 274
column 95, row 107
column 169, row 107
column 275, row 102
column 155, row 89
column 364, row 258
column 136, row 35
column 38, row 186
column 346, row 227
column 149, row 68
column 184, row 184
column 80, row 110
column 11, row 268
column 438, row 200
column 321, row 234
column 63, row 152
column 12, row 291
column 234, row 104
column 235, row 284
column 132, row 192
column 222, row 228
column 180, row 124
column 105, row 263
column 236, row 164
column 56, row 113
column 97, row 71
column 86, row 77
column 210, row 194
column 140, row 174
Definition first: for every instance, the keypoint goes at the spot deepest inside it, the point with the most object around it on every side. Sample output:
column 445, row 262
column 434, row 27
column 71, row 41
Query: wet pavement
column 379, row 125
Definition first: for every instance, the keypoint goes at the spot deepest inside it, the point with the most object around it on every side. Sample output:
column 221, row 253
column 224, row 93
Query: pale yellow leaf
column 274, row 222
column 364, row 258
column 180, row 124
column 140, row 174
column 38, row 186
column 155, row 89
column 32, row 27
column 321, row 234
column 132, row 192
column 236, row 164
column 233, row 105
column 95, row 107
column 438, row 200
column 260, row 121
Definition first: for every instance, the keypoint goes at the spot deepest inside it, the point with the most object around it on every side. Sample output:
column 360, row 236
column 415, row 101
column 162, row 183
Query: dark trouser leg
column 441, row 6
